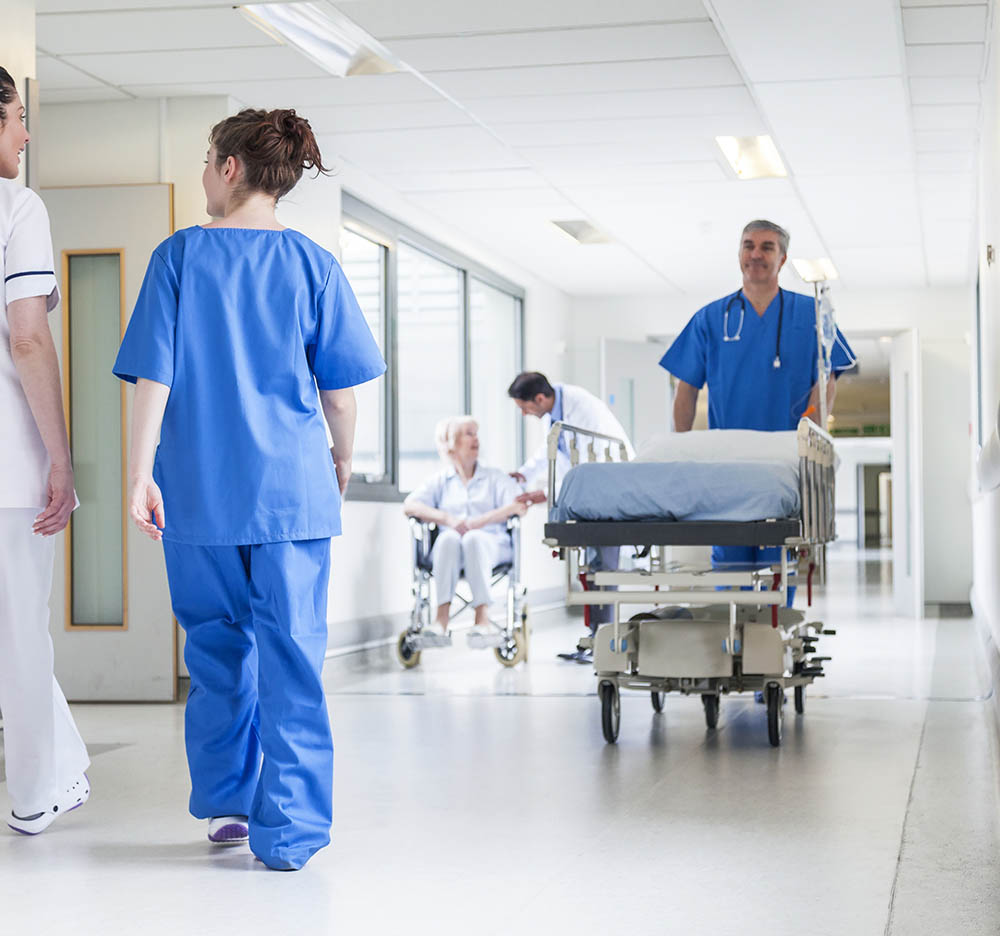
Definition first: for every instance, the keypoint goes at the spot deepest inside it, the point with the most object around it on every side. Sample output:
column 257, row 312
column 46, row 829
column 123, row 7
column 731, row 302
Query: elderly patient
column 470, row 503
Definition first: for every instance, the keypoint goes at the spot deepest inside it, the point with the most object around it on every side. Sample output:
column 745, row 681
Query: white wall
column 149, row 141
column 986, row 510
column 942, row 317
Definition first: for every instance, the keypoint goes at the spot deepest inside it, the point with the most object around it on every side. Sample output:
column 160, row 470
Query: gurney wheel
column 510, row 654
column 774, row 695
column 405, row 653
column 800, row 700
column 657, row 699
column 611, row 713
column 711, row 703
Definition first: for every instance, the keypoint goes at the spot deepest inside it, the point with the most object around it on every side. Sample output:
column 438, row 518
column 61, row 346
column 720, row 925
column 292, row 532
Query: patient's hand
column 519, row 508
column 461, row 527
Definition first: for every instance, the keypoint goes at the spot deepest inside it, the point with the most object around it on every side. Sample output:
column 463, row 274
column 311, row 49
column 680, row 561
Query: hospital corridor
column 513, row 468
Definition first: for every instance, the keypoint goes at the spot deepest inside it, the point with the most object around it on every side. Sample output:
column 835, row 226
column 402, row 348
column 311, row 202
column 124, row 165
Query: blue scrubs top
column 745, row 389
column 243, row 325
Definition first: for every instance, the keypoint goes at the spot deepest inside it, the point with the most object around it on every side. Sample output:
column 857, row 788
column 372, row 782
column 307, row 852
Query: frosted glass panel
column 95, row 424
column 493, row 333
column 430, row 355
column 363, row 262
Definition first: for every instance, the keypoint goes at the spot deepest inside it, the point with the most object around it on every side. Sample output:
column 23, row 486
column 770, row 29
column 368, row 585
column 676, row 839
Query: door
column 112, row 625
column 907, row 476
column 635, row 387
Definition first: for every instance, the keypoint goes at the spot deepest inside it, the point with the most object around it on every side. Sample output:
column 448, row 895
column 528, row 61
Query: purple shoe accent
column 21, row 831
column 232, row 832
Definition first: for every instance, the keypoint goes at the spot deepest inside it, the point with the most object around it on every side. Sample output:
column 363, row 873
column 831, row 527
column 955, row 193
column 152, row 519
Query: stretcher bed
column 712, row 631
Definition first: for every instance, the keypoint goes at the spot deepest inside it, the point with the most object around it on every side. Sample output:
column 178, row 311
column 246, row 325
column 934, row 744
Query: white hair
column 446, row 434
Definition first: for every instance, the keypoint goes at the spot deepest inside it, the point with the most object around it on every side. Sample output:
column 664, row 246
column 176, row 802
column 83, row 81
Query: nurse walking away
column 45, row 757
column 237, row 324
column 756, row 350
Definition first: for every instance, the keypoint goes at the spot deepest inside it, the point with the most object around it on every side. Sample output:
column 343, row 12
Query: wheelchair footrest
column 426, row 640
column 479, row 641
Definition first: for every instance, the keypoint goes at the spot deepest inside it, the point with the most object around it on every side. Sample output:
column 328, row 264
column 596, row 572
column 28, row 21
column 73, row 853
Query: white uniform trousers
column 477, row 552
column 43, row 751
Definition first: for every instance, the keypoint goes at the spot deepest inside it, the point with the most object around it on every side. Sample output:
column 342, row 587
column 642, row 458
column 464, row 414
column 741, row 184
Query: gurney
column 713, row 631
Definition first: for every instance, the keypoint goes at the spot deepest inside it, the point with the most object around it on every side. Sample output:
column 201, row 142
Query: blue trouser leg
column 293, row 807
column 255, row 619
column 210, row 597
column 750, row 554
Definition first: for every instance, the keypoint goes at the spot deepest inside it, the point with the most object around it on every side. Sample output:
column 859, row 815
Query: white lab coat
column 580, row 408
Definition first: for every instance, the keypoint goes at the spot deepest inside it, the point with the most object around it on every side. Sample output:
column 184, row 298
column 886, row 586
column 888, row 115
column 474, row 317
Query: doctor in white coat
column 535, row 396
column 45, row 756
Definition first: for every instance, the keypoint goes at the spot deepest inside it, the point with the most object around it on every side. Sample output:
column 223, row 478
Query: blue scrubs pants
column 762, row 555
column 256, row 725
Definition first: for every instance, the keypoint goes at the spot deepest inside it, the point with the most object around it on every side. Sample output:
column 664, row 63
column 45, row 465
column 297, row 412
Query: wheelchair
column 509, row 642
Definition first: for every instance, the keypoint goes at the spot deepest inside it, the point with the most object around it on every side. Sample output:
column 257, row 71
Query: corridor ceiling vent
column 582, row 232
column 753, row 157
column 815, row 271
column 324, row 36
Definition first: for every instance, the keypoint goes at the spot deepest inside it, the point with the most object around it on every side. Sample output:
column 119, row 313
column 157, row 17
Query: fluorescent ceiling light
column 754, row 157
column 582, row 232
column 816, row 271
column 323, row 35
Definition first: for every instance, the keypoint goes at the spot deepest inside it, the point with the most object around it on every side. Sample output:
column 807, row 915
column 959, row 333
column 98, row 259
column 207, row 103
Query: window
column 494, row 361
column 363, row 262
column 450, row 331
column 429, row 358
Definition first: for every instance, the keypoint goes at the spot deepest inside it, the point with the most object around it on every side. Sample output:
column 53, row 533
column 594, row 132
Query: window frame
column 369, row 222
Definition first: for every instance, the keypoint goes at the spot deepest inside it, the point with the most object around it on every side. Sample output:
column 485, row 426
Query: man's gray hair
column 761, row 225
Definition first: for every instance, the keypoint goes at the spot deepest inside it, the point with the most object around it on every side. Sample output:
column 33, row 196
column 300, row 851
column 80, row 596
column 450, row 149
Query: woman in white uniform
column 45, row 757
column 471, row 504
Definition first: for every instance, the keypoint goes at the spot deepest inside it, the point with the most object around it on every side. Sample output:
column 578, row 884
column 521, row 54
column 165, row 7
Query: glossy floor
column 471, row 799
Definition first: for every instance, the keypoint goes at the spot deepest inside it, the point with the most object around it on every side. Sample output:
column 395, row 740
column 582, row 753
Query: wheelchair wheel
column 800, row 700
column 405, row 653
column 512, row 652
column 526, row 632
column 657, row 699
column 611, row 711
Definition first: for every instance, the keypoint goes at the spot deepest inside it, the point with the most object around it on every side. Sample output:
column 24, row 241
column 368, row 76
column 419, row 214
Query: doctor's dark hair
column 8, row 88
column 273, row 146
column 528, row 385
column 761, row 225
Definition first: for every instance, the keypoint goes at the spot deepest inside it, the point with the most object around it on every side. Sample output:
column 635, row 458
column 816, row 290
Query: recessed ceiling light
column 323, row 35
column 816, row 271
column 754, row 157
column 582, row 232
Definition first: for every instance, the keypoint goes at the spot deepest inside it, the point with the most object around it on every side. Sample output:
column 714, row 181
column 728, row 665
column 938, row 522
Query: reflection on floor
column 476, row 799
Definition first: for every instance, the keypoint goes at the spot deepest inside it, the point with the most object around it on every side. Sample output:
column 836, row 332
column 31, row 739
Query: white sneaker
column 228, row 830
column 73, row 797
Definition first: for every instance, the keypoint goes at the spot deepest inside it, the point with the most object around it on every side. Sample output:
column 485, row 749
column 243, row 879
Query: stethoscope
column 743, row 311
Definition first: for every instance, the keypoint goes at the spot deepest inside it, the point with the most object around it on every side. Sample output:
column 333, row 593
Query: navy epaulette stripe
column 30, row 273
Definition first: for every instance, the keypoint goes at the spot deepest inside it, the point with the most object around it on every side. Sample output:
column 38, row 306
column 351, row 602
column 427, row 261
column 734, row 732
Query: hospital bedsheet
column 732, row 491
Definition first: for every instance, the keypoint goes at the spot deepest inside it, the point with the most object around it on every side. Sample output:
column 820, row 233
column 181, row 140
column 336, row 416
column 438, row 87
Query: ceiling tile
column 399, row 88
column 466, row 180
column 81, row 95
column 946, row 162
column 947, row 197
column 931, row 25
column 640, row 177
column 944, row 61
column 702, row 72
column 137, row 31
column 56, row 75
column 864, row 210
column 880, row 267
column 945, row 91
column 612, row 156
column 945, row 141
column 795, row 40
column 946, row 117
column 361, row 118
column 617, row 105
column 388, row 18
column 142, row 68
column 821, row 129
column 444, row 149
column 560, row 47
